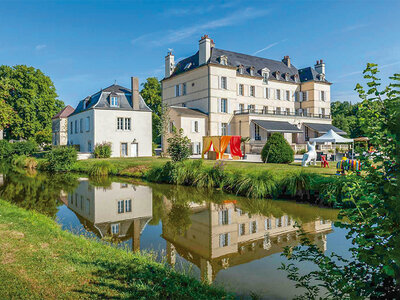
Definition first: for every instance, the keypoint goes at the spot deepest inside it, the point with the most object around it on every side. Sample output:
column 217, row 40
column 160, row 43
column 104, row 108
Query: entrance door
column 134, row 150
column 124, row 149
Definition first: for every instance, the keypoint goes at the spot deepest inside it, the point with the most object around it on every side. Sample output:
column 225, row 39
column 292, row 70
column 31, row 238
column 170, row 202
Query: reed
column 101, row 168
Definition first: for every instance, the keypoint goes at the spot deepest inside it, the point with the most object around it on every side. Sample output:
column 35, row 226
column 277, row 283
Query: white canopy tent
column 333, row 137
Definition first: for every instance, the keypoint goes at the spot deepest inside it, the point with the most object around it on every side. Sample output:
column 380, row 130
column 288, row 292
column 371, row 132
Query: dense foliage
column 346, row 116
column 60, row 159
column 151, row 94
column 24, row 148
column 179, row 146
column 32, row 96
column 277, row 150
column 102, row 150
column 7, row 114
column 373, row 221
column 5, row 149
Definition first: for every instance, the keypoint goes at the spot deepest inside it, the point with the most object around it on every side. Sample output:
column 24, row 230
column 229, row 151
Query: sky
column 84, row 46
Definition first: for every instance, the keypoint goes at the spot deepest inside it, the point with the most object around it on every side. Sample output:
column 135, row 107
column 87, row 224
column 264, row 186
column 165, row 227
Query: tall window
column 81, row 125
column 253, row 227
column 115, row 228
column 257, row 136
column 265, row 109
column 184, row 89
column 224, row 83
column 241, row 90
column 305, row 96
column 252, row 91
column 288, row 95
column 224, row 129
column 120, row 123
column 278, row 94
column 224, row 239
column 177, row 90
column 323, row 112
column 224, row 105
column 268, row 224
column 76, row 126
column 87, row 123
column 288, row 111
column 223, row 217
column 265, row 77
column 241, row 107
column 251, row 107
column 242, row 229
column 171, row 127
column 114, row 101
column 278, row 110
column 89, row 145
column 195, row 126
column 127, row 123
column 278, row 222
column 71, row 130
column 241, row 70
column 251, row 71
column 266, row 93
column 322, row 95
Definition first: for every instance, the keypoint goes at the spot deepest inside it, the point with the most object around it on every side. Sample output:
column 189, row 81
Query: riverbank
column 38, row 260
column 253, row 180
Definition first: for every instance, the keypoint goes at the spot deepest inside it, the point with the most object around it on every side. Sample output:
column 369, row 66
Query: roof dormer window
column 277, row 75
column 265, row 75
column 113, row 101
column 251, row 71
column 296, row 78
column 223, row 60
column 241, row 69
column 188, row 65
column 321, row 77
column 287, row 76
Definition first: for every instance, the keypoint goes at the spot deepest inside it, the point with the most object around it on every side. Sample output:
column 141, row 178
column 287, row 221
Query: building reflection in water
column 222, row 236
column 120, row 211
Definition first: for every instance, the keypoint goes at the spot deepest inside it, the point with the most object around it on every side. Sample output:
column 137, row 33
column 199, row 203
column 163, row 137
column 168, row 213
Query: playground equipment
column 348, row 165
column 309, row 156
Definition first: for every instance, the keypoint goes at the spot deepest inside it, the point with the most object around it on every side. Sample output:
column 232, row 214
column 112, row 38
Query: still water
column 230, row 241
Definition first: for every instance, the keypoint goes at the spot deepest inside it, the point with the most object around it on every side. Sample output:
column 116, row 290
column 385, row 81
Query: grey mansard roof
column 247, row 61
column 100, row 100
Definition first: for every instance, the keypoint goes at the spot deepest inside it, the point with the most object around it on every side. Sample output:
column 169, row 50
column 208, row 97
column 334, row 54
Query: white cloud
column 40, row 47
column 353, row 27
column 269, row 46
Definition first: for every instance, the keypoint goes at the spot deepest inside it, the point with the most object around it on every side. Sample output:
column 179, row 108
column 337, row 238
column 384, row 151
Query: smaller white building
column 115, row 115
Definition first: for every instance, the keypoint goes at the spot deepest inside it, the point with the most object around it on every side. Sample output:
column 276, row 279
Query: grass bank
column 38, row 260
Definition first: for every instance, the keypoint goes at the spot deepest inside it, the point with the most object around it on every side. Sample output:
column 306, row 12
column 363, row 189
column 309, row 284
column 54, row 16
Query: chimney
column 135, row 92
column 320, row 67
column 205, row 45
column 286, row 60
column 169, row 64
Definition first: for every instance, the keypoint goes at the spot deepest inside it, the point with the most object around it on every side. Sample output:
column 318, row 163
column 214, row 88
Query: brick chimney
column 320, row 67
column 205, row 45
column 286, row 60
column 169, row 64
column 135, row 92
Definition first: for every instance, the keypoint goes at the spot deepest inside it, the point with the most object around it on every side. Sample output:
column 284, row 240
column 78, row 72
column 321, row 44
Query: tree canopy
column 32, row 96
column 346, row 116
column 151, row 94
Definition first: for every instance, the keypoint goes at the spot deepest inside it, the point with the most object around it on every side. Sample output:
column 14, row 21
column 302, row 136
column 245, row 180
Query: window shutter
column 229, row 238
column 219, row 129
column 220, row 217
column 219, row 105
column 256, row 226
column 193, row 129
column 300, row 97
column 228, row 106
column 229, row 216
column 221, row 240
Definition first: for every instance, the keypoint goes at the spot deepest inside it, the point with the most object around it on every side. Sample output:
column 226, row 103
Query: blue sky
column 88, row 45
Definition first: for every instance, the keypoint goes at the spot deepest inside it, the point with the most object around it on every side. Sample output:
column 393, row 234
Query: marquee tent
column 333, row 137
column 220, row 143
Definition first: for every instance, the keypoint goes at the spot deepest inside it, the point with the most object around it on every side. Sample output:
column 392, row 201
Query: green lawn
column 38, row 260
column 135, row 165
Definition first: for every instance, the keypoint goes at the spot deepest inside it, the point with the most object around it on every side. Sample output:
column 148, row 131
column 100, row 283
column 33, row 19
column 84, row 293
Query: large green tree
column 346, row 117
column 32, row 96
column 151, row 94
column 372, row 214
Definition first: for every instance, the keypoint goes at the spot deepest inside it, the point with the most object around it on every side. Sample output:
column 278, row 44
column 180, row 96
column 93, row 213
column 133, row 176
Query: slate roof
column 65, row 112
column 101, row 100
column 324, row 128
column 247, row 61
column 277, row 126
column 184, row 111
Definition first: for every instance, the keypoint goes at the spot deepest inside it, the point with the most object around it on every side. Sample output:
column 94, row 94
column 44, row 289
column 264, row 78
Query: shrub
column 5, row 149
column 100, row 168
column 188, row 172
column 301, row 151
column 211, row 177
column 27, row 148
column 102, row 150
column 164, row 174
column 277, row 150
column 61, row 159
column 300, row 184
column 179, row 146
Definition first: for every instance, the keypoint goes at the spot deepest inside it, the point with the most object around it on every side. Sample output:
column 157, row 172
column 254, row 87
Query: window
column 241, row 89
column 115, row 228
column 265, row 77
column 288, row 111
column 224, row 129
column 251, row 71
column 241, row 70
column 89, row 146
column 114, row 101
column 76, row 126
column 128, row 205
column 287, row 95
column 257, row 136
column 224, row 83
column 87, row 123
column 265, row 110
column 224, row 239
column 278, row 110
column 177, row 90
column 241, row 107
column 242, row 229
column 124, row 206
column 251, row 107
column 195, row 126
column 266, row 93
column 196, row 148
column 305, row 96
column 223, row 60
column 171, row 127
column 127, row 123
column 287, row 76
column 268, row 224
column 224, row 217
column 224, row 105
column 81, row 125
column 252, row 91
column 72, row 127
column 278, row 222
column 323, row 112
column 253, row 227
column 278, row 94
column 296, row 97
column 322, row 95
column 184, row 89
column 121, row 206
column 120, row 123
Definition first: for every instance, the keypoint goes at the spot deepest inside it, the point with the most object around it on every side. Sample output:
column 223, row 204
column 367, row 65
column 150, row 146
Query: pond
column 226, row 240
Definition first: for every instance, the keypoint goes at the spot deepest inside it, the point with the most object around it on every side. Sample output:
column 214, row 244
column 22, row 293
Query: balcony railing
column 280, row 113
